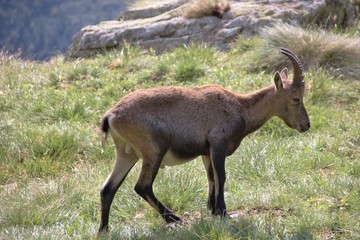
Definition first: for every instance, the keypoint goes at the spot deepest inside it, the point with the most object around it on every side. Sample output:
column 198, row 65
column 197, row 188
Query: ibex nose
column 305, row 127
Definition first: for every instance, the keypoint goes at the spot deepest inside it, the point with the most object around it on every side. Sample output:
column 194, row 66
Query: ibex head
column 290, row 93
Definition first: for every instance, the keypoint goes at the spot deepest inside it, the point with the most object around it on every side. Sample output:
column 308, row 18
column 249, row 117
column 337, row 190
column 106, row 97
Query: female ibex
column 166, row 126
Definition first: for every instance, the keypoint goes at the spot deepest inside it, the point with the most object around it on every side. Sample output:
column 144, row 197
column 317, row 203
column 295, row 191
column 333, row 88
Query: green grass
column 280, row 184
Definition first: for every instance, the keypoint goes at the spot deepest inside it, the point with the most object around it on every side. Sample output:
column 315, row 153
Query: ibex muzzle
column 166, row 126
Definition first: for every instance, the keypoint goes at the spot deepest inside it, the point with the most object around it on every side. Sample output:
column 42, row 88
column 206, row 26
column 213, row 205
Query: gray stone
column 151, row 11
column 163, row 27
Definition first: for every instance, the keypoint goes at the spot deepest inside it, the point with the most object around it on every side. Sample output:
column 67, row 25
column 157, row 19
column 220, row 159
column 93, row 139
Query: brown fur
column 172, row 125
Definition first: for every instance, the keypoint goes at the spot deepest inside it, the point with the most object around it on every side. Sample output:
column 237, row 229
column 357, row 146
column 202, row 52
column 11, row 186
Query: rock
column 163, row 26
column 338, row 13
column 149, row 12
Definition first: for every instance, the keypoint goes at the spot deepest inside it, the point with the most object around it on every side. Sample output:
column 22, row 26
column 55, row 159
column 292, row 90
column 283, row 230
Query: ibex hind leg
column 144, row 187
column 123, row 165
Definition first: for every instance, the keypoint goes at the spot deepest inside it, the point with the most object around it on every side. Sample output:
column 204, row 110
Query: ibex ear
column 284, row 73
column 278, row 81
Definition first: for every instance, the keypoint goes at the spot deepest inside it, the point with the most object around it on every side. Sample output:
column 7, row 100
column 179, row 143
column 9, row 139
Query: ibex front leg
column 211, row 182
column 218, row 166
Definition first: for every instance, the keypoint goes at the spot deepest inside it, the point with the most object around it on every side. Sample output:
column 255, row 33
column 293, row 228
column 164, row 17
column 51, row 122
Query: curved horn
column 298, row 79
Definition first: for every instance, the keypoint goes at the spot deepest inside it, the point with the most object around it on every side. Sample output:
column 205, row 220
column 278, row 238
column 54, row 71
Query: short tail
column 105, row 126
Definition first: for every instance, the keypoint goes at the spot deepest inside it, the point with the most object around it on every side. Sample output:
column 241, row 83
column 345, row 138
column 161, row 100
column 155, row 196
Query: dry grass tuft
column 203, row 8
column 338, row 54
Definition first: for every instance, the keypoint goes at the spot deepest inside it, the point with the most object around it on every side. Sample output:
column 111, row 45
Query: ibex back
column 166, row 126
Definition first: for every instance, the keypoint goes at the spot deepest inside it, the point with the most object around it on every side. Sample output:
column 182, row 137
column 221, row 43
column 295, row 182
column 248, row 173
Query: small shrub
column 201, row 53
column 243, row 44
column 160, row 71
column 203, row 8
column 320, row 86
column 188, row 71
column 73, row 112
column 55, row 79
column 315, row 47
column 79, row 72
column 124, row 55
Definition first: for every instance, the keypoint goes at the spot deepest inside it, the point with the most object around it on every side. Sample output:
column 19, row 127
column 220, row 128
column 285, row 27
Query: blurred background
column 39, row 29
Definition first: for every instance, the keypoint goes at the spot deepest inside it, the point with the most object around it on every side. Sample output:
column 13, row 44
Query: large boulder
column 339, row 13
column 164, row 26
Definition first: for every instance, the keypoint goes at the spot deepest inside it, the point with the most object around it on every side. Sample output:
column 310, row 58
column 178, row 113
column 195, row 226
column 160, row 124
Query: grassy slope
column 281, row 184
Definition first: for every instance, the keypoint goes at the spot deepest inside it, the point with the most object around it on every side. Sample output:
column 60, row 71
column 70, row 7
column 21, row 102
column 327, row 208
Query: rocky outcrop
column 163, row 26
column 339, row 13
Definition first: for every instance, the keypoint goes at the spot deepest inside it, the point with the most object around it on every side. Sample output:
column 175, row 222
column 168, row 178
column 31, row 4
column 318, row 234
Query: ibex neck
column 259, row 107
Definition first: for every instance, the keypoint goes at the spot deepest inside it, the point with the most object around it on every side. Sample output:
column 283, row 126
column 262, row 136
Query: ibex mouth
column 303, row 128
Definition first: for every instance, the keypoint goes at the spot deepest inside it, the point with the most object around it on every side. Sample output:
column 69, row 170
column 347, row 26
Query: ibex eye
column 297, row 100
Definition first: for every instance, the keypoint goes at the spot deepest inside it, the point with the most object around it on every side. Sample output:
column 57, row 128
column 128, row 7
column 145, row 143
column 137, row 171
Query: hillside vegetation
column 42, row 29
column 280, row 183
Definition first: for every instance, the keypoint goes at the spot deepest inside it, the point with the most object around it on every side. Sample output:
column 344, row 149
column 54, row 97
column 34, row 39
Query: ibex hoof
column 103, row 229
column 171, row 218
